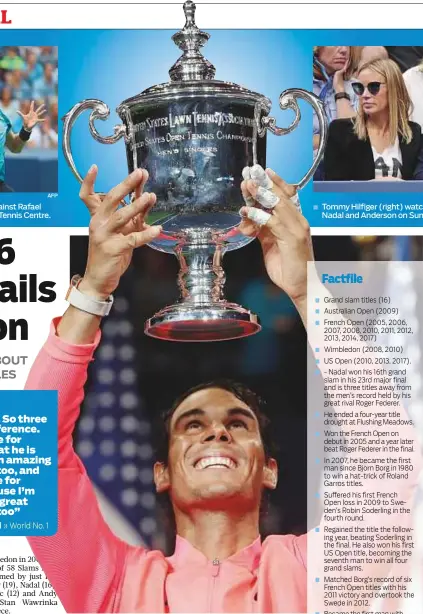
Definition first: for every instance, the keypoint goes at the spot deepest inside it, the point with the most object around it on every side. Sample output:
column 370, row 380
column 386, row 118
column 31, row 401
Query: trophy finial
column 192, row 65
column 189, row 10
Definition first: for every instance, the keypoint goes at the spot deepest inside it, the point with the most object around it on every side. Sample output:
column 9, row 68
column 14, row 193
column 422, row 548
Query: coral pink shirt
column 92, row 570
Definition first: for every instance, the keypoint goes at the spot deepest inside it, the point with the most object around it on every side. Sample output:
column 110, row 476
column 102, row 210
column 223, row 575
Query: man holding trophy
column 218, row 463
column 198, row 146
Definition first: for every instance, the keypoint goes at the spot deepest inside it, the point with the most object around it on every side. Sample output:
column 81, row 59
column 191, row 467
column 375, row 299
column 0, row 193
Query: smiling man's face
column 216, row 456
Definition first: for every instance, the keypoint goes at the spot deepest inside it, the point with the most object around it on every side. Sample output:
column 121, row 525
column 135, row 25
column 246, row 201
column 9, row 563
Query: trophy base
column 187, row 322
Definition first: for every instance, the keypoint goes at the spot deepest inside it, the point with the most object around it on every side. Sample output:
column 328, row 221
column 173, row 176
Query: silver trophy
column 194, row 135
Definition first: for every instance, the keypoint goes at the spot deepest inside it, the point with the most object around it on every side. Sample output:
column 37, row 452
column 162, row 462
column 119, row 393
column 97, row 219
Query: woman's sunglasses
column 373, row 87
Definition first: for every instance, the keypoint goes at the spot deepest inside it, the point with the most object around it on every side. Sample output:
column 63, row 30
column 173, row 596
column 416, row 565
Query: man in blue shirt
column 15, row 142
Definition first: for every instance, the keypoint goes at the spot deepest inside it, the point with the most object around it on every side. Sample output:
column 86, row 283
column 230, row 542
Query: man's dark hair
column 241, row 392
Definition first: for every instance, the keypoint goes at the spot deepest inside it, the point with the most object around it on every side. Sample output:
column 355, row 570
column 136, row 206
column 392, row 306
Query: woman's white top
column 389, row 162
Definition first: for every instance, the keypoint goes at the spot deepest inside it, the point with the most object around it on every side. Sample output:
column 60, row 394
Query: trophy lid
column 192, row 65
column 192, row 74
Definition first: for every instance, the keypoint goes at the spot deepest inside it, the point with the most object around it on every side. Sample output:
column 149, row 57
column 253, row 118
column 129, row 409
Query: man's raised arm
column 84, row 560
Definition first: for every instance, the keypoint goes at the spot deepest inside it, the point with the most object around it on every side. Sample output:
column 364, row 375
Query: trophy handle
column 288, row 100
column 100, row 110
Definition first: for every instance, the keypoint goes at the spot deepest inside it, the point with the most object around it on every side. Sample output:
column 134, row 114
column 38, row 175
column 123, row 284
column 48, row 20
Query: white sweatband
column 266, row 198
column 246, row 173
column 258, row 174
column 258, row 216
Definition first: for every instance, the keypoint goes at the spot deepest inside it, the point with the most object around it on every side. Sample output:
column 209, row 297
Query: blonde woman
column 414, row 81
column 380, row 142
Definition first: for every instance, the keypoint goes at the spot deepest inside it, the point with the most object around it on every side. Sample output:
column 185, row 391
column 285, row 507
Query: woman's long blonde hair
column 399, row 101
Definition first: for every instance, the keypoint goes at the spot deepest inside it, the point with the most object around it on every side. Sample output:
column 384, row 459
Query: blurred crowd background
column 134, row 378
column 26, row 74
